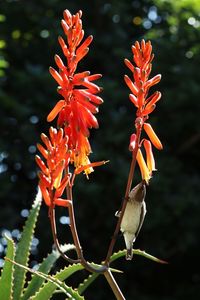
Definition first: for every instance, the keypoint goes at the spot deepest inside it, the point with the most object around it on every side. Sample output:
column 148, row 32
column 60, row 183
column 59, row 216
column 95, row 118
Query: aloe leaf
column 49, row 288
column 36, row 281
column 122, row 253
column 23, row 248
column 55, row 282
column 84, row 285
column 6, row 280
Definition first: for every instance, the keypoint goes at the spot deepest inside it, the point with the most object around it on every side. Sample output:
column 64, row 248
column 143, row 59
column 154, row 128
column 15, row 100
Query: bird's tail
column 129, row 254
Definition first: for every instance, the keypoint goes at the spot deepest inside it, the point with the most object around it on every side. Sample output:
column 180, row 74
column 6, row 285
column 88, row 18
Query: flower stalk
column 67, row 148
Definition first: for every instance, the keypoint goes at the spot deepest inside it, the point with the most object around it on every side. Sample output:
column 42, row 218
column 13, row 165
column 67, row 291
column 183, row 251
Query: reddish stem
column 128, row 188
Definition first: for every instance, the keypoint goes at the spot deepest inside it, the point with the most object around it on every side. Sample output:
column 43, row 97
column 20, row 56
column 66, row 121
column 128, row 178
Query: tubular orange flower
column 146, row 174
column 51, row 180
column 149, row 155
column 139, row 86
column 153, row 137
column 80, row 102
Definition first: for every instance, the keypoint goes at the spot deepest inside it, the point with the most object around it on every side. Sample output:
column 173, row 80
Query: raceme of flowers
column 79, row 101
column 75, row 111
column 145, row 104
column 52, row 180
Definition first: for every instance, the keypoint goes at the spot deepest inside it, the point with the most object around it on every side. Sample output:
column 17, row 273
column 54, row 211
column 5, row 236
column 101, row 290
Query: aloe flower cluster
column 145, row 104
column 79, row 100
column 69, row 144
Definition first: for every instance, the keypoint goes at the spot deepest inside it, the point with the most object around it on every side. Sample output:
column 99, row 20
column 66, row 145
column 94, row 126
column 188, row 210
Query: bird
column 133, row 217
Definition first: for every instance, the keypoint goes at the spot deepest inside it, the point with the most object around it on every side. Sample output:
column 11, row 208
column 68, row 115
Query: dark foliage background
column 28, row 42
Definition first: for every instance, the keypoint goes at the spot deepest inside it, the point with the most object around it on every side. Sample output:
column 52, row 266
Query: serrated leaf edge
column 56, row 253
column 35, row 206
column 80, row 267
column 12, row 276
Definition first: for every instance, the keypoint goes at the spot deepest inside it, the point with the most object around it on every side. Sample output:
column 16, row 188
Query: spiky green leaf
column 122, row 253
column 23, row 248
column 6, row 280
column 49, row 288
column 84, row 285
column 55, row 282
column 36, row 281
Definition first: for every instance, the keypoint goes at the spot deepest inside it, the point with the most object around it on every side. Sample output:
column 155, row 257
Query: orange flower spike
column 145, row 173
column 152, row 136
column 149, row 156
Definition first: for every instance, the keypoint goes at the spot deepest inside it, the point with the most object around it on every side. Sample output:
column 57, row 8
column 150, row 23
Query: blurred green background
column 28, row 42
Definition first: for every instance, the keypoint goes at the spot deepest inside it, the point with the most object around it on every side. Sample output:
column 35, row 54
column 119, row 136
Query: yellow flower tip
column 145, row 172
column 149, row 156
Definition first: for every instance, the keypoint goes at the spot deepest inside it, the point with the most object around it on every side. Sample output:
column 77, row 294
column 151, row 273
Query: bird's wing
column 143, row 213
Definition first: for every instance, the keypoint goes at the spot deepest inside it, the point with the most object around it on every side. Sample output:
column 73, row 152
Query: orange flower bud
column 56, row 76
column 42, row 150
column 133, row 99
column 41, row 165
column 65, row 27
column 80, row 55
column 153, row 99
column 84, row 45
column 59, row 62
column 153, row 81
column 63, row 46
column 90, row 165
column 55, row 111
column 148, row 110
column 45, row 194
column 59, row 191
column 132, row 142
column 129, row 65
column 153, row 137
column 62, row 202
column 131, row 85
